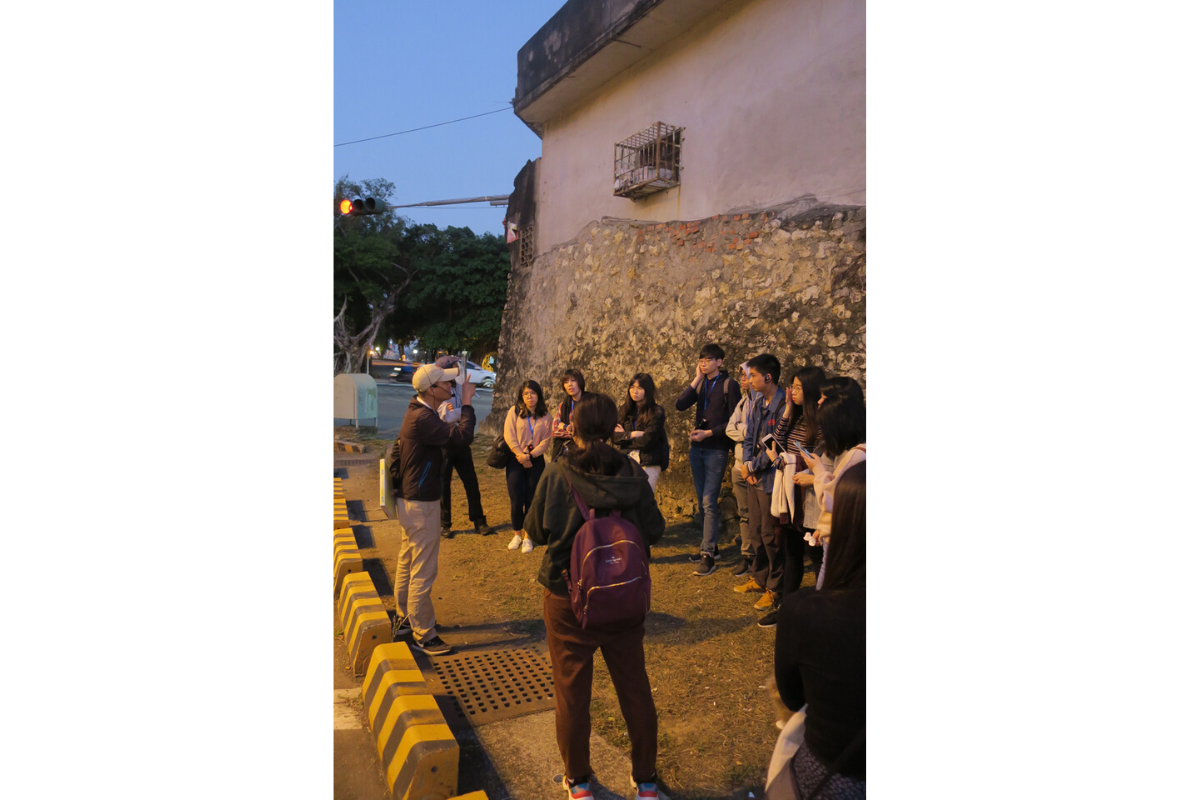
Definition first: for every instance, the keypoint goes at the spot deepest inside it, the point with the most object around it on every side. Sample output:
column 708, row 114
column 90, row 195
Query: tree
column 457, row 303
column 370, row 272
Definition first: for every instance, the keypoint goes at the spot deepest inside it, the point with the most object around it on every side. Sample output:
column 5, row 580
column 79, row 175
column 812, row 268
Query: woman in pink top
column 527, row 433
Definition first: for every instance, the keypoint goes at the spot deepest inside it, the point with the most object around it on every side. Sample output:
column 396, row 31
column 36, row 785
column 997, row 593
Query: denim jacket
column 759, row 422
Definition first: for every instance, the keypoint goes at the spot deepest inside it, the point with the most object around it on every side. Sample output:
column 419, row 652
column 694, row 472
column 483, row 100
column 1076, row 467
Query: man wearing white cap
column 417, row 482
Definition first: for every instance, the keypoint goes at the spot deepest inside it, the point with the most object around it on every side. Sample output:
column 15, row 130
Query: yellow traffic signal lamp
column 361, row 206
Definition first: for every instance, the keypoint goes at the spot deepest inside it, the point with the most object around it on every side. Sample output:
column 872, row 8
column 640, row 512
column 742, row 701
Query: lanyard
column 707, row 390
column 529, row 419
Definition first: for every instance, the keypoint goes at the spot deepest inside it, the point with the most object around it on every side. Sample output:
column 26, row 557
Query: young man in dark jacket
column 417, row 482
column 715, row 395
column 766, row 571
column 455, row 458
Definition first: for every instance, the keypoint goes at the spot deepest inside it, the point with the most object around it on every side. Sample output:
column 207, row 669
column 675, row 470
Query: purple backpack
column 612, row 573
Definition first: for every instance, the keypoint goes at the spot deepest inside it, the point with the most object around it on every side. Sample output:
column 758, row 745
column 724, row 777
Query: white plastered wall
column 772, row 94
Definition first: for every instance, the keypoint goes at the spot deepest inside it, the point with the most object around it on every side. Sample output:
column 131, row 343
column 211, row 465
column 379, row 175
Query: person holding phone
column 843, row 420
column 527, row 434
column 766, row 571
column 797, row 433
column 641, row 428
column 573, row 385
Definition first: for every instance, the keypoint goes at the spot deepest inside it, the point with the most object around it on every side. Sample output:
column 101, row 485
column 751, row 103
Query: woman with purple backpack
column 596, row 477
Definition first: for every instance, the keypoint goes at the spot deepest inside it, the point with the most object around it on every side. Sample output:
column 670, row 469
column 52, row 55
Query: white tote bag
column 780, row 783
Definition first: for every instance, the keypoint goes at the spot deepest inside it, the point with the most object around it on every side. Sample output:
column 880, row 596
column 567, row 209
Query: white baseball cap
column 429, row 374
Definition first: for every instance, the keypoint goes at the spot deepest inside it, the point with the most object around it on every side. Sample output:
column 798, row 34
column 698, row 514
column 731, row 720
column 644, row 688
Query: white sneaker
column 527, row 545
column 515, row 543
column 647, row 791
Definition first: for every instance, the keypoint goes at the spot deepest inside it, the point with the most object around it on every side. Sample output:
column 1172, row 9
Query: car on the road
column 480, row 376
column 403, row 373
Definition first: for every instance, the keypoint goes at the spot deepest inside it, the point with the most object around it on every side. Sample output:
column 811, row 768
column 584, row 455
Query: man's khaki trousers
column 416, row 568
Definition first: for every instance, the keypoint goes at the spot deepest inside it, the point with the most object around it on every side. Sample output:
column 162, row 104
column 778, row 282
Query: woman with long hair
column 843, row 420
column 605, row 480
column 527, row 434
column 795, row 431
column 821, row 662
column 573, row 385
column 641, row 428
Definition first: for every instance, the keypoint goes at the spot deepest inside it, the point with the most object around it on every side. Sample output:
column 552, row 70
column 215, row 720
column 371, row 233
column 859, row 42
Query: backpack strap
column 588, row 514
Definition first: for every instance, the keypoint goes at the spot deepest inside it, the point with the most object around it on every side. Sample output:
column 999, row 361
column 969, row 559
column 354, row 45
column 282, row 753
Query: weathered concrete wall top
column 772, row 96
column 626, row 297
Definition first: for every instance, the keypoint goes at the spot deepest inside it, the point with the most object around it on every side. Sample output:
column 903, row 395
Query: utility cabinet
column 355, row 398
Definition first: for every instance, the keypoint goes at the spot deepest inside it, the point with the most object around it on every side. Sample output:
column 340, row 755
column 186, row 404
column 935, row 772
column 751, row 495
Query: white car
column 480, row 376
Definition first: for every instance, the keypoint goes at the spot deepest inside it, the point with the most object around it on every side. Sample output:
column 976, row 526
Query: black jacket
column 416, row 466
column 652, row 448
column 554, row 518
column 713, row 410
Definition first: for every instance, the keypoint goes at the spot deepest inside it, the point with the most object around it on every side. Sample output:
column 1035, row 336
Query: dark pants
column 459, row 458
column 767, row 567
column 571, row 651
column 794, row 551
column 522, row 483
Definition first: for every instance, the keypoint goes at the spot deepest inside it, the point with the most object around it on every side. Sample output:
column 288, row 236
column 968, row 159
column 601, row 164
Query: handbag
column 497, row 456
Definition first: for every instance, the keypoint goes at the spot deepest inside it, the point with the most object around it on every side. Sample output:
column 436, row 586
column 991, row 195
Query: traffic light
column 361, row 206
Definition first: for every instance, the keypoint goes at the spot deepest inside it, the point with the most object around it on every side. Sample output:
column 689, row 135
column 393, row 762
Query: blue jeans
column 708, row 470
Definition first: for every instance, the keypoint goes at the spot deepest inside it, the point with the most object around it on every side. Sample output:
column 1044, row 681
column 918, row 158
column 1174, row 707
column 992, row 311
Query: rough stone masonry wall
column 626, row 297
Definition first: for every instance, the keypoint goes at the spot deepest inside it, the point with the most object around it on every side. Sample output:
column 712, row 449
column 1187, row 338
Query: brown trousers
column 571, row 652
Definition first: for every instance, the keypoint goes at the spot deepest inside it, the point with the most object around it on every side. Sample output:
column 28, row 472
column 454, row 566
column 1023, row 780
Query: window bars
column 526, row 246
column 648, row 162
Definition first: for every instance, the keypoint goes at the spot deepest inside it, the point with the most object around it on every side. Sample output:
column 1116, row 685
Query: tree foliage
column 392, row 279
column 457, row 301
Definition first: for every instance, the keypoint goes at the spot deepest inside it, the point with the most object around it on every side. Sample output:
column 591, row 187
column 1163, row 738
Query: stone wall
column 625, row 297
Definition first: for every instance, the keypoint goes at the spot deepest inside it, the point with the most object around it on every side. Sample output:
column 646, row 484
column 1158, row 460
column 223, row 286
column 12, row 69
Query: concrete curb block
column 341, row 516
column 348, row 447
column 419, row 753
column 346, row 558
column 364, row 619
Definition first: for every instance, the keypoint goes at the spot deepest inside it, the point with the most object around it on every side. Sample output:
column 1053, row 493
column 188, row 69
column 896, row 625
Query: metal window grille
column 526, row 246
column 647, row 162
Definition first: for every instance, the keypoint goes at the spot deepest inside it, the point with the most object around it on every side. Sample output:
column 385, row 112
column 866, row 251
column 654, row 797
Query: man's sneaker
column 580, row 791
column 434, row 647
column 647, row 791
column 447, row 533
column 744, row 569
column 696, row 559
column 527, row 545
column 707, row 566
column 515, row 543
column 749, row 586
column 768, row 600
column 769, row 620
column 483, row 529
column 400, row 628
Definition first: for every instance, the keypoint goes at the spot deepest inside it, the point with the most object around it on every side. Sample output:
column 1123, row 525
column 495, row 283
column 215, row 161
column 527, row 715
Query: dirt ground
column 707, row 660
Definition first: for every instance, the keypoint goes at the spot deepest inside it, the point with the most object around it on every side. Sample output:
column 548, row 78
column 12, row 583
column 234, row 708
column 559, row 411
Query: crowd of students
column 799, row 478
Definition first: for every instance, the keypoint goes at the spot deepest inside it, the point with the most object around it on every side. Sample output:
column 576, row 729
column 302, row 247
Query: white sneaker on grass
column 515, row 543
column 527, row 545
column 647, row 791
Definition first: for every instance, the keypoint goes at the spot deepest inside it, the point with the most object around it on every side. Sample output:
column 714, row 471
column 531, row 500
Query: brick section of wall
column 626, row 297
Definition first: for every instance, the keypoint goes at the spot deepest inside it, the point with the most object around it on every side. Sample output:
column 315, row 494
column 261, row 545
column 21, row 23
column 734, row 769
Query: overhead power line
column 422, row 128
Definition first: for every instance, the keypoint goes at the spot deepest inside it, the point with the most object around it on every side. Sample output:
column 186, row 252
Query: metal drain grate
column 495, row 685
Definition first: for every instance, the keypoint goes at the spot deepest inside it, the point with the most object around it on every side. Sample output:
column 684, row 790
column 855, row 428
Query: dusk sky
column 403, row 65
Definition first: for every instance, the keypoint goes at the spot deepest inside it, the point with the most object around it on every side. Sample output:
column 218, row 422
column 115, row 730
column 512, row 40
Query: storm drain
column 495, row 685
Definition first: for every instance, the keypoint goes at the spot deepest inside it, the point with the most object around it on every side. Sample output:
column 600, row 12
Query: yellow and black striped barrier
column 419, row 753
column 364, row 619
column 480, row 795
column 346, row 558
column 341, row 517
column 347, row 447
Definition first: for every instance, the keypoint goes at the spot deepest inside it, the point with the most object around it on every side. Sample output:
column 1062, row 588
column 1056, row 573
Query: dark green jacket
column 554, row 518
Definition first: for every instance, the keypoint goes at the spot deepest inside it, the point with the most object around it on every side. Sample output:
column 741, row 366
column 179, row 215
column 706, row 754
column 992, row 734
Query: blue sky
column 403, row 65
